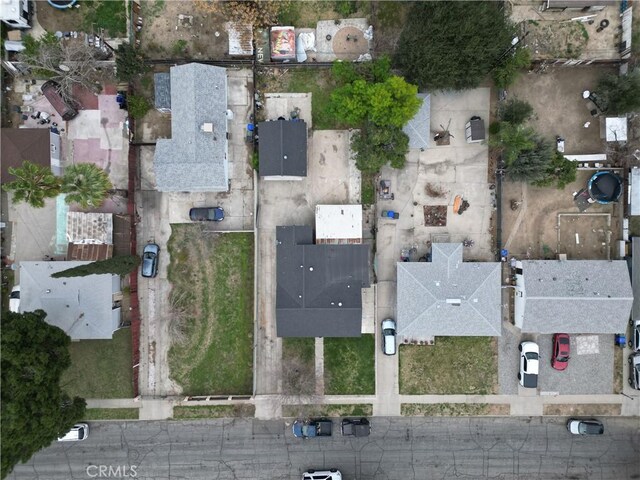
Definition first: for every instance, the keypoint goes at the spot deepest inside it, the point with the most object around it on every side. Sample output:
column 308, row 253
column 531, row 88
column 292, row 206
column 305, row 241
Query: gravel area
column 586, row 374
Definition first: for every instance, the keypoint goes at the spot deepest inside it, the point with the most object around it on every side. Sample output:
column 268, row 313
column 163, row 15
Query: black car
column 206, row 214
column 150, row 260
column 359, row 427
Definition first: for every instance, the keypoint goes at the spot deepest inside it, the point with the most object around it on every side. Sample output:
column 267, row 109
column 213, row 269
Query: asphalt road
column 398, row 448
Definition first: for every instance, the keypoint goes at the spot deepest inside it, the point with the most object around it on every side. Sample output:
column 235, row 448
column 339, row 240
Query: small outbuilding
column 338, row 224
column 282, row 149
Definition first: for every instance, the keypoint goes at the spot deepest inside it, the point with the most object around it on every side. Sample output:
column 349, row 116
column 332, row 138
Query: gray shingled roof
column 162, row 90
column 318, row 286
column 448, row 297
column 194, row 160
column 576, row 296
column 283, row 148
column 81, row 306
column 419, row 127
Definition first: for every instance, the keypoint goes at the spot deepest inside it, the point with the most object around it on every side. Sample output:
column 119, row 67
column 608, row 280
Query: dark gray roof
column 81, row 306
column 193, row 159
column 283, row 148
column 576, row 296
column 162, row 90
column 635, row 279
column 319, row 286
column 448, row 297
column 419, row 127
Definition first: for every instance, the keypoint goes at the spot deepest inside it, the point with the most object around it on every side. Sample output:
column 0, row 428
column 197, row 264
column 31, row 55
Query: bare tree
column 69, row 62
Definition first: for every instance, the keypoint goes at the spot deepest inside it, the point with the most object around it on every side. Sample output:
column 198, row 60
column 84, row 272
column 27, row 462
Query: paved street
column 403, row 448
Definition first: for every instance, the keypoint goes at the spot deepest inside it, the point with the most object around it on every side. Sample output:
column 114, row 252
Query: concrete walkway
column 270, row 406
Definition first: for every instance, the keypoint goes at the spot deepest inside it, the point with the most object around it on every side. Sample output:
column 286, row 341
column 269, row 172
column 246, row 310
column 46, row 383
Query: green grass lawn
column 320, row 83
column 336, row 410
column 453, row 365
column 100, row 368
column 213, row 411
column 112, row 414
column 212, row 317
column 367, row 188
column 108, row 14
column 349, row 365
column 298, row 366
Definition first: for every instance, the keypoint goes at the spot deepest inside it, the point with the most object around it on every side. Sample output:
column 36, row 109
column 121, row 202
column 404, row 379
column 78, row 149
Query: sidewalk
column 269, row 407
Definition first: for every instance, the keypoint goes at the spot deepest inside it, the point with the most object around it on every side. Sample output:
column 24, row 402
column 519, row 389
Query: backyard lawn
column 349, row 366
column 100, row 368
column 453, row 365
column 212, row 317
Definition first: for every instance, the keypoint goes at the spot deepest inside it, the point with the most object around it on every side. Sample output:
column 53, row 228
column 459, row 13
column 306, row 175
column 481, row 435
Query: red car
column 561, row 350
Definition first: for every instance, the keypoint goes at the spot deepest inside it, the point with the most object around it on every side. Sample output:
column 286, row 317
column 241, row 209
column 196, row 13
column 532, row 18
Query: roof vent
column 207, row 127
column 454, row 301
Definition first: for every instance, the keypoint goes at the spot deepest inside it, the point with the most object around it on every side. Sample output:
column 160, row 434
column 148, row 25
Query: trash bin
column 621, row 340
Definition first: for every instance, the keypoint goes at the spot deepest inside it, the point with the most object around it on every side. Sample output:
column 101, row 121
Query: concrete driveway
column 159, row 210
column 328, row 181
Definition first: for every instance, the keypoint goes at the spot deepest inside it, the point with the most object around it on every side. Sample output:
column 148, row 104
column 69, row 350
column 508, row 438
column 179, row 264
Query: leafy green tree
column 86, row 184
column 138, row 106
column 129, row 62
column 452, row 45
column 377, row 70
column 560, row 172
column 392, row 102
column 35, row 410
column 512, row 139
column 532, row 164
column 620, row 94
column 516, row 111
column 506, row 74
column 375, row 146
column 33, row 184
column 120, row 265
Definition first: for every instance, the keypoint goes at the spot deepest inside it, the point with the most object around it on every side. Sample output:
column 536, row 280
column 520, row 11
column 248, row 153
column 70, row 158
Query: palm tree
column 85, row 184
column 33, row 184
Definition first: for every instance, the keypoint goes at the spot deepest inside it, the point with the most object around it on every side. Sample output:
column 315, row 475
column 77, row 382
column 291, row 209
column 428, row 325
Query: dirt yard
column 556, row 97
column 547, row 221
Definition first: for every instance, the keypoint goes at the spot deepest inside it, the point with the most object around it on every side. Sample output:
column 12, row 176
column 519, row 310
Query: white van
column 79, row 432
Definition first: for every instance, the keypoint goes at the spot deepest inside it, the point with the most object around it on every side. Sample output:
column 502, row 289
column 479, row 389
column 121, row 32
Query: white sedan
column 529, row 364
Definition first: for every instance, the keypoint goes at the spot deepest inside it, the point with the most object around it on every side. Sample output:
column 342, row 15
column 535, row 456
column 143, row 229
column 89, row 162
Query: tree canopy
column 129, row 62
column 453, row 45
column 620, row 93
column 560, row 172
column 515, row 111
column 84, row 183
column 369, row 92
column 35, row 410
column 33, row 184
column 120, row 265
column 376, row 146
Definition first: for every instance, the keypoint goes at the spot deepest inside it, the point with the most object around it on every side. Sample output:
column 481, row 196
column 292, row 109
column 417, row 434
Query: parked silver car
column 634, row 370
column 389, row 336
column 634, row 339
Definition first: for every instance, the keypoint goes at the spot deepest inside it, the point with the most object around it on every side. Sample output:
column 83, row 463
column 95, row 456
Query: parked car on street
column 79, row 432
column 14, row 299
column 314, row 427
column 332, row 474
column 389, row 336
column 634, row 370
column 529, row 364
column 634, row 339
column 206, row 214
column 359, row 427
column 585, row 427
column 561, row 350
column 150, row 260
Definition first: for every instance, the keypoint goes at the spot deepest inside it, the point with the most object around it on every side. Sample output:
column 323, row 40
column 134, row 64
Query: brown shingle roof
column 19, row 144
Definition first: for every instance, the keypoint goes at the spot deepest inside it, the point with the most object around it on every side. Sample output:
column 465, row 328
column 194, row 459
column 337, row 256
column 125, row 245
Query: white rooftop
column 335, row 222
column 616, row 129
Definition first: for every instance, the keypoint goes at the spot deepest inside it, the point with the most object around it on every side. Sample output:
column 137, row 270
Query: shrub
column 138, row 106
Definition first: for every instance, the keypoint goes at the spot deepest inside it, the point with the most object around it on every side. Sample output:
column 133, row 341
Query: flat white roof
column 338, row 221
column 616, row 129
column 634, row 191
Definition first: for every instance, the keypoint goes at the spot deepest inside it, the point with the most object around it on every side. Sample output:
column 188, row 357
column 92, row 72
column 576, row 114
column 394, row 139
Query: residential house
column 90, row 236
column 572, row 296
column 38, row 145
column 448, row 296
column 635, row 277
column 16, row 13
column 195, row 158
column 319, row 286
column 418, row 129
column 338, row 224
column 282, row 149
column 86, row 308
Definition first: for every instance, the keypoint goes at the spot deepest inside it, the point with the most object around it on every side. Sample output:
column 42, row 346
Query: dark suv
column 359, row 427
